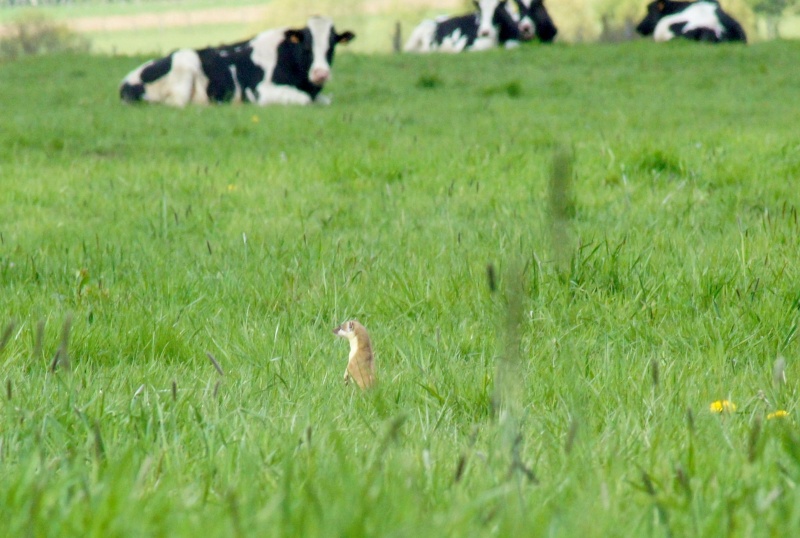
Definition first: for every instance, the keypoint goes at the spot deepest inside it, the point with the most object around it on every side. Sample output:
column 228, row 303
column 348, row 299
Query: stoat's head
column 355, row 332
column 347, row 329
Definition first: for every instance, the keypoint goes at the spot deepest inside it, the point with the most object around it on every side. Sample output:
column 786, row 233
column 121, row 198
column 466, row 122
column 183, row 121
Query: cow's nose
column 320, row 75
column 484, row 33
column 526, row 29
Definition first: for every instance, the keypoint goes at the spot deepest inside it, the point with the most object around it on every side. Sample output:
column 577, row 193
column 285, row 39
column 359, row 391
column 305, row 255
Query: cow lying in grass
column 282, row 66
column 703, row 20
column 489, row 26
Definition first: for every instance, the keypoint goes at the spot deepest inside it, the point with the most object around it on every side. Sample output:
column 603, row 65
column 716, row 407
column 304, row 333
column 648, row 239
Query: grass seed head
column 460, row 466
column 753, row 442
column 490, row 277
column 6, row 335
column 654, row 372
column 214, row 362
column 39, row 340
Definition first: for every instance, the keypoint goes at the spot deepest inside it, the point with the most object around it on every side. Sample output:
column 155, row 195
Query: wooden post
column 397, row 40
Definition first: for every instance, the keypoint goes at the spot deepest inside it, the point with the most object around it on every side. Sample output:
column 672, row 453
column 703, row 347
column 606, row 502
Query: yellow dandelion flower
column 722, row 406
column 256, row 119
column 231, row 188
column 780, row 413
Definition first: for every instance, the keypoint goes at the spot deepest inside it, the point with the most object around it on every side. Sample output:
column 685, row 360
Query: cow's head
column 655, row 11
column 534, row 21
column 315, row 45
column 494, row 20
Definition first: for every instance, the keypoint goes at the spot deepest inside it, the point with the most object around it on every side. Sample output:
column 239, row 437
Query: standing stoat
column 360, row 365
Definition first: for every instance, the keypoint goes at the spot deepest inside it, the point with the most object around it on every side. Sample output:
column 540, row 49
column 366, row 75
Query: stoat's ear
column 350, row 326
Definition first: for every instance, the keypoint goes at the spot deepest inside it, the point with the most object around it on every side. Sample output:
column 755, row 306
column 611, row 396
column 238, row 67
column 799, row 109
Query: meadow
column 565, row 255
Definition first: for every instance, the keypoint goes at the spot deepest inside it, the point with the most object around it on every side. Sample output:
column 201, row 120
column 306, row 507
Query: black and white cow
column 491, row 25
column 281, row 66
column 702, row 20
column 534, row 21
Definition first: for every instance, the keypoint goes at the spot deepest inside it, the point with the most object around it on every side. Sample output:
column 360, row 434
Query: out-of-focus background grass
column 158, row 26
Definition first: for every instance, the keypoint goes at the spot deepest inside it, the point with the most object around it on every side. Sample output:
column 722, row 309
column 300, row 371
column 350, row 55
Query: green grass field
column 574, row 400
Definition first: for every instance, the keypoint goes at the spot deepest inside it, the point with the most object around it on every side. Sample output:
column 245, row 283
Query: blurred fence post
column 397, row 39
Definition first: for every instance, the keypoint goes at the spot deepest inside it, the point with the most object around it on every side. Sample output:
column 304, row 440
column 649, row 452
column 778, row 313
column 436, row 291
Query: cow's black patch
column 248, row 74
column 221, row 84
column 156, row 69
column 465, row 25
column 230, row 67
column 130, row 93
column 733, row 30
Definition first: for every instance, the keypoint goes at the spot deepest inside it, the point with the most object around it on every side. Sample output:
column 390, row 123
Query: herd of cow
column 291, row 66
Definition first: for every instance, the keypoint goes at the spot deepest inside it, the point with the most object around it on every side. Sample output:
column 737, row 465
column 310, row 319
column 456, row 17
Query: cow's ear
column 294, row 36
column 345, row 37
column 660, row 5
